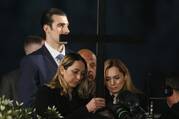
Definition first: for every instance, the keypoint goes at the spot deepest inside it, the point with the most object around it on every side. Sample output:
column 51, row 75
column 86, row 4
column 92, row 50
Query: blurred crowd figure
column 87, row 87
column 9, row 82
column 172, row 94
column 39, row 67
column 90, row 59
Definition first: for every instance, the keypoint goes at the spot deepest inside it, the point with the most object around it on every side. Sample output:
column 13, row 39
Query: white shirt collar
column 54, row 52
column 114, row 98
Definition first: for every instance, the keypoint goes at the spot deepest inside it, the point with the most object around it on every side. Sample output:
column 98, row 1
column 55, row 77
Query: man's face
column 59, row 26
column 172, row 99
column 91, row 64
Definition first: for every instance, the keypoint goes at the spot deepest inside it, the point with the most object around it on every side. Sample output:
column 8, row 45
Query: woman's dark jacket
column 69, row 108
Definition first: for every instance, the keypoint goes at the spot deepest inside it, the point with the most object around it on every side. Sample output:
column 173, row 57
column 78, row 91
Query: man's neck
column 55, row 45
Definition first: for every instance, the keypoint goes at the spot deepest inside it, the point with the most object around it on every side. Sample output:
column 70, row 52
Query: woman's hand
column 95, row 104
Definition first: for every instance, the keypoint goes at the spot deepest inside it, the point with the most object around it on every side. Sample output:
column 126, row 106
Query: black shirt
column 172, row 113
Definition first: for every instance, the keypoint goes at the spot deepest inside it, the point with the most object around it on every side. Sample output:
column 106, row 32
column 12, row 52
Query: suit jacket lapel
column 49, row 62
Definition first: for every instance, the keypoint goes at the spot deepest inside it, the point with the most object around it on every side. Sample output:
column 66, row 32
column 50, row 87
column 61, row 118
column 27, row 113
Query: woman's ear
column 126, row 77
column 62, row 70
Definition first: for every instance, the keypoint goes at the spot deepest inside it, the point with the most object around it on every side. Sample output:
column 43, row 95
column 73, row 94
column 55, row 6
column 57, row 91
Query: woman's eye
column 116, row 78
column 107, row 79
column 75, row 72
column 112, row 78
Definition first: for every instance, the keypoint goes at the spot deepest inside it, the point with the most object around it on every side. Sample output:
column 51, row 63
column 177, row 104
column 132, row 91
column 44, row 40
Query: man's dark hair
column 32, row 39
column 47, row 17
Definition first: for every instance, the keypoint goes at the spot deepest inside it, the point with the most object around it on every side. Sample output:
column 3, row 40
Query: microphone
column 63, row 43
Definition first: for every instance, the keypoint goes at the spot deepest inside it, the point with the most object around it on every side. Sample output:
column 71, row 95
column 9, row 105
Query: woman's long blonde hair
column 128, row 85
column 58, row 80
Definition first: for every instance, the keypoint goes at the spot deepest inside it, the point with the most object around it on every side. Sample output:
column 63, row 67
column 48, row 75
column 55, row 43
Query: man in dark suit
column 39, row 67
column 8, row 85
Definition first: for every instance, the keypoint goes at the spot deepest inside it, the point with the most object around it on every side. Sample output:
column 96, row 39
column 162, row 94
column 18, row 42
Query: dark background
column 143, row 33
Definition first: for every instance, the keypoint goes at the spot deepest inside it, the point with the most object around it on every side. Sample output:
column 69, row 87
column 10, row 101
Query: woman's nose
column 112, row 82
column 79, row 77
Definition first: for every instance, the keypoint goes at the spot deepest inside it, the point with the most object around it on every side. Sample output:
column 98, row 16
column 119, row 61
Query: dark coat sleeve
column 44, row 98
column 51, row 97
column 27, row 85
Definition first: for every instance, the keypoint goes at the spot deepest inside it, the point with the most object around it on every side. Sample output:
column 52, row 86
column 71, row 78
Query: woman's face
column 74, row 74
column 114, row 80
